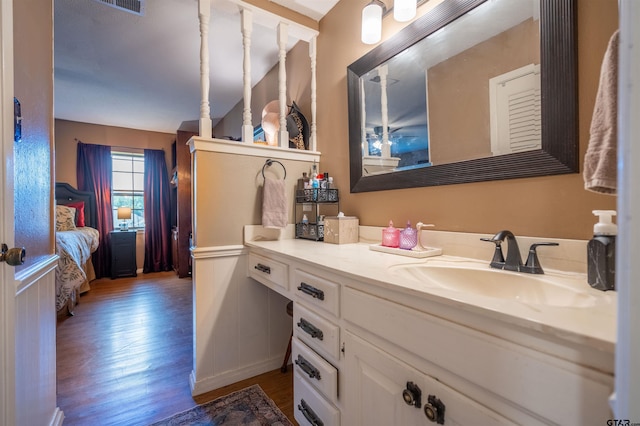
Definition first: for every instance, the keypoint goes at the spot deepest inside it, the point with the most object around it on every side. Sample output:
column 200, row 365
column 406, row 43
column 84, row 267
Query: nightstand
column 123, row 254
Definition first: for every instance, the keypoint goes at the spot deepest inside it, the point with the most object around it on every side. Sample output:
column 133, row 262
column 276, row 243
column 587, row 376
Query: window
column 128, row 187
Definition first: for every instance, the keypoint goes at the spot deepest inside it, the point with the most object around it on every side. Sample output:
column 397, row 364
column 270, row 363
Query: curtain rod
column 121, row 146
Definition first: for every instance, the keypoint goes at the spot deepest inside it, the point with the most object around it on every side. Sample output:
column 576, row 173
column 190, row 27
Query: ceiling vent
column 132, row 6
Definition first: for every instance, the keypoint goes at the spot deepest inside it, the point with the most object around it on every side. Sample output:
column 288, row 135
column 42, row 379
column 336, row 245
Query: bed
column 76, row 240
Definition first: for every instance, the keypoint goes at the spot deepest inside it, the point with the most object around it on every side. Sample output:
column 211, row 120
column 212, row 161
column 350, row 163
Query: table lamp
column 124, row 214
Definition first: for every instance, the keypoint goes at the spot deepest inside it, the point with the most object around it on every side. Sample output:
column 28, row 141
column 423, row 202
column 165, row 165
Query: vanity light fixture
column 403, row 11
column 372, row 22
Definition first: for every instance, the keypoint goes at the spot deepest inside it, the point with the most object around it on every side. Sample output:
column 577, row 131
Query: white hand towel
column 600, row 160
column 274, row 204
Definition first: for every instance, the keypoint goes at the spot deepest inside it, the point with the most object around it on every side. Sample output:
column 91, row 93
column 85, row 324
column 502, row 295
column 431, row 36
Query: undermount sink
column 560, row 291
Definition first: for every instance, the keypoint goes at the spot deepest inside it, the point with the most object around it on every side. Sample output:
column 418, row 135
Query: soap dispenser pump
column 601, row 252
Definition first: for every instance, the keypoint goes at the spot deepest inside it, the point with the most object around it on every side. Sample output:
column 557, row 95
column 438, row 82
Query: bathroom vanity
column 381, row 339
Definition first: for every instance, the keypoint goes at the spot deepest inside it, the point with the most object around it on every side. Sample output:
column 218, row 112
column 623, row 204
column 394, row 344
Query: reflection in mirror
column 483, row 70
column 473, row 90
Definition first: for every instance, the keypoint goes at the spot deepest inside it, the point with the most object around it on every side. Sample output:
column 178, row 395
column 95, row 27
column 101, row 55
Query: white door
column 7, row 294
column 27, row 292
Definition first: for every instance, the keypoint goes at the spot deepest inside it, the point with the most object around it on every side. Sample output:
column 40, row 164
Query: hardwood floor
column 126, row 355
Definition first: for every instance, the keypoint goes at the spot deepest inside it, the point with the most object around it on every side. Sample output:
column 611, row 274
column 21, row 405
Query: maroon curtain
column 94, row 174
column 157, row 233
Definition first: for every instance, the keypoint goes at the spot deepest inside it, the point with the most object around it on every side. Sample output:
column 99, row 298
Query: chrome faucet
column 514, row 261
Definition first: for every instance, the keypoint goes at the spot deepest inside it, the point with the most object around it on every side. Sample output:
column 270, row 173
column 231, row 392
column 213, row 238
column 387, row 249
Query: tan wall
column 459, row 91
column 228, row 190
column 33, row 87
column 69, row 132
column 298, row 66
column 553, row 206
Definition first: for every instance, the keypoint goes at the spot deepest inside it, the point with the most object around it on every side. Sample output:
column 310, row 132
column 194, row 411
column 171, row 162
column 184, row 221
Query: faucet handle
column 498, row 257
column 533, row 264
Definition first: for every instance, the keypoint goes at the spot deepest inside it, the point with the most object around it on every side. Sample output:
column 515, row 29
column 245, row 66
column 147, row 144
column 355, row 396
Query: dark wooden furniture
column 66, row 194
column 123, row 254
column 183, row 201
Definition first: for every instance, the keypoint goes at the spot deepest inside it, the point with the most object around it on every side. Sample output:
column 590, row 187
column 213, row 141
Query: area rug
column 249, row 406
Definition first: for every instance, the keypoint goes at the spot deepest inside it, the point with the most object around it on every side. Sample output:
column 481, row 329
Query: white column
column 204, row 15
column 247, row 26
column 313, row 146
column 383, row 72
column 363, row 119
column 283, row 30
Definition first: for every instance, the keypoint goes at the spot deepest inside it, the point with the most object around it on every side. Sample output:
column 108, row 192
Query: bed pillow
column 79, row 206
column 65, row 218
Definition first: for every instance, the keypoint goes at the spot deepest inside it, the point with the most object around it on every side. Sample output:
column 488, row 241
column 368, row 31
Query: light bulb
column 404, row 10
column 372, row 22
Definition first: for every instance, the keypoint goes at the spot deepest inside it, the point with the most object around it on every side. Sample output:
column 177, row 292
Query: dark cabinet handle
column 308, row 368
column 311, row 291
column 412, row 395
column 434, row 410
column 263, row 268
column 310, row 329
column 309, row 414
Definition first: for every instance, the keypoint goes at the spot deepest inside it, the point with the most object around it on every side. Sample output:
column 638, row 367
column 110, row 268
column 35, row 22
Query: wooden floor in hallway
column 125, row 357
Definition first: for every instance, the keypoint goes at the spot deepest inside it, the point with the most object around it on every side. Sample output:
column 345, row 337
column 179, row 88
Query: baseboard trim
column 218, row 251
column 212, row 383
column 58, row 417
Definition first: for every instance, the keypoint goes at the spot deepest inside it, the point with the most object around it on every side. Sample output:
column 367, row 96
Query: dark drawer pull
column 311, row 291
column 308, row 368
column 309, row 414
column 310, row 329
column 263, row 268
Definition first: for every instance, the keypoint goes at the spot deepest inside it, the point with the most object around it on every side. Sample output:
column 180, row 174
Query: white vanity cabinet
column 315, row 347
column 520, row 385
column 364, row 348
column 382, row 390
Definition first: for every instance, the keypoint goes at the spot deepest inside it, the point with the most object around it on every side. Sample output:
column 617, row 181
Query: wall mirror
column 474, row 90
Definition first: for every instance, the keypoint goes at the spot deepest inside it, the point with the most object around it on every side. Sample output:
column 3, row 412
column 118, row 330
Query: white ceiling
column 119, row 69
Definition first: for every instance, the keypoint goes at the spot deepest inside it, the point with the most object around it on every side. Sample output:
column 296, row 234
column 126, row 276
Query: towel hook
column 269, row 162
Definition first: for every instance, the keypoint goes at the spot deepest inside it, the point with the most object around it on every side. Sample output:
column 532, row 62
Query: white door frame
column 627, row 380
column 7, row 273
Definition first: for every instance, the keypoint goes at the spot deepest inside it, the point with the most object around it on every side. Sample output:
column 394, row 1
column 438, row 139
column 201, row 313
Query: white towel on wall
column 275, row 207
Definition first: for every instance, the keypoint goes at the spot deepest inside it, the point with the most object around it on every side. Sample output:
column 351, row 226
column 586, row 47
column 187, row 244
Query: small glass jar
column 391, row 236
column 408, row 237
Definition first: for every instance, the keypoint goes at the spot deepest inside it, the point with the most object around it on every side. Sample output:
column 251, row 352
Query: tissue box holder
column 341, row 230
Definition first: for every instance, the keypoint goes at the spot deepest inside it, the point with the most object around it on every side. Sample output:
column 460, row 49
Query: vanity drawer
column 315, row 370
column 268, row 271
column 309, row 406
column 320, row 334
column 317, row 291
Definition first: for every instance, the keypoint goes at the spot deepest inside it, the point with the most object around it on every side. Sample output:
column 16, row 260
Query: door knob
column 13, row 256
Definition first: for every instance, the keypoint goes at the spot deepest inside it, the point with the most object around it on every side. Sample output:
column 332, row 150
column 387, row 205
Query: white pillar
column 383, row 72
column 247, row 26
column 283, row 30
column 313, row 146
column 204, row 15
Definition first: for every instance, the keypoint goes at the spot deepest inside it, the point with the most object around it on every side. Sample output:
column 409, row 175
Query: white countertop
column 593, row 326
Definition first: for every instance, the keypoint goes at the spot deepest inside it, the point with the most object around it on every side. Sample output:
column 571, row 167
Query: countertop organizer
column 315, row 203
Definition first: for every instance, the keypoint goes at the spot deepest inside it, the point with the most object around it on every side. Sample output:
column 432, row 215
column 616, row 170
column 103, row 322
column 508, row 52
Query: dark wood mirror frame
column 559, row 90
